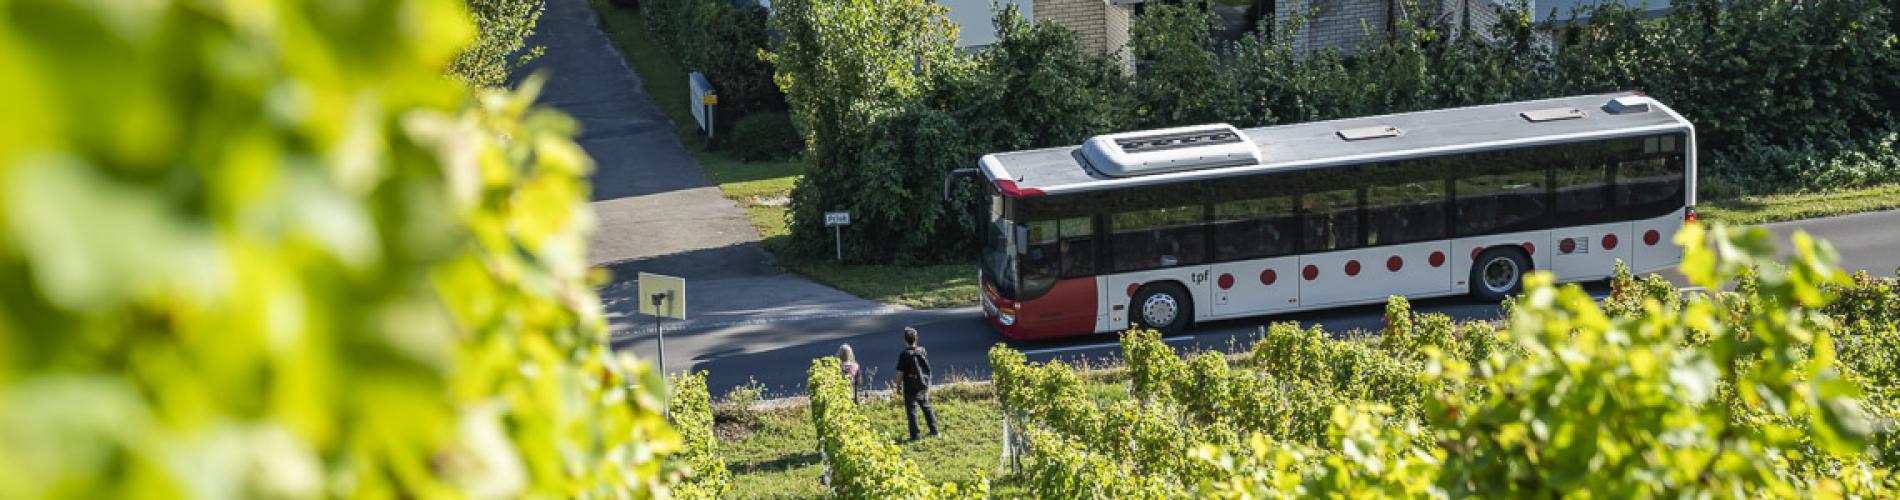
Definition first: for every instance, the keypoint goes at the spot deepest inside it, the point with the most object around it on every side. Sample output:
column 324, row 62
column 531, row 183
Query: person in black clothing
column 913, row 371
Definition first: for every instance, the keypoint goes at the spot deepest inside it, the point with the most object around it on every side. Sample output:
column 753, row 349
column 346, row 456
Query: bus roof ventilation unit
column 1627, row 104
column 1364, row 133
column 1148, row 152
column 1552, row 114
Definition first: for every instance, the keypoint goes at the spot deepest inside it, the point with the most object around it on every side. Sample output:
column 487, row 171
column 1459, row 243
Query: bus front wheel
column 1498, row 272
column 1165, row 307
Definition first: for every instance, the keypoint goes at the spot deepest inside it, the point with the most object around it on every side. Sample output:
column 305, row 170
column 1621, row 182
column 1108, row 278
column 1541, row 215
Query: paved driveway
column 657, row 210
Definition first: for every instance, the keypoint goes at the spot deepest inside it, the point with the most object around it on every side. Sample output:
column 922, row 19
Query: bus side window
column 1077, row 245
column 1499, row 202
column 1650, row 187
column 1582, row 190
column 1331, row 219
column 1405, row 212
column 1255, row 228
column 1160, row 237
column 1041, row 251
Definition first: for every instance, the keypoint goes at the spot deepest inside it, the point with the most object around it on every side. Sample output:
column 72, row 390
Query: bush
column 723, row 42
column 765, row 136
column 861, row 462
column 502, row 31
column 889, row 108
column 742, row 79
column 690, row 413
column 737, row 404
column 1806, row 165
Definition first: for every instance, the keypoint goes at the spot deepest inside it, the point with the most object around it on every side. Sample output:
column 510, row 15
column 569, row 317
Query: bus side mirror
column 953, row 176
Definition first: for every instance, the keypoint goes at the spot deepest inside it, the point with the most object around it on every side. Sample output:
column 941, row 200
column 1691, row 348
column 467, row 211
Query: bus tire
column 1498, row 273
column 1164, row 307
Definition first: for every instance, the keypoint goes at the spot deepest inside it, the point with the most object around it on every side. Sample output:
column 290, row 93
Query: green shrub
column 1802, row 165
column 501, row 41
column 859, row 461
column 268, row 250
column 765, row 136
column 690, row 413
column 683, row 26
column 723, row 42
column 742, row 79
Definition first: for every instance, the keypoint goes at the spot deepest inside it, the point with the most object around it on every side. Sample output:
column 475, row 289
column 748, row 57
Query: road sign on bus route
column 837, row 221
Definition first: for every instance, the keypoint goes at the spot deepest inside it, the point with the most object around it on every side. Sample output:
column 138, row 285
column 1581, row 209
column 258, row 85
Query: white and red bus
column 1164, row 228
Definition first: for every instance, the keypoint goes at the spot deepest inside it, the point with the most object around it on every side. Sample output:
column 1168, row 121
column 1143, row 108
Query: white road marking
column 1093, row 346
column 692, row 326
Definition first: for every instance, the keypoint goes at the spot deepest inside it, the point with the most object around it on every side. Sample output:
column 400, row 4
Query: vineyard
column 1781, row 385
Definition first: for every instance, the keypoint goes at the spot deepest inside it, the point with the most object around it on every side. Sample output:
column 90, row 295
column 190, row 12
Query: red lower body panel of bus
column 1069, row 308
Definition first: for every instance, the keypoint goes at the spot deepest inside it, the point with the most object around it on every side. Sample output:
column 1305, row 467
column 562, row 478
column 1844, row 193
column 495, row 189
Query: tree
column 502, row 28
column 1035, row 88
column 844, row 67
column 1175, row 61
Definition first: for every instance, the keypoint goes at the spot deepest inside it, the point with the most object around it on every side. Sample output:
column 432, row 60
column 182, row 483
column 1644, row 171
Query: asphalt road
column 777, row 354
column 657, row 211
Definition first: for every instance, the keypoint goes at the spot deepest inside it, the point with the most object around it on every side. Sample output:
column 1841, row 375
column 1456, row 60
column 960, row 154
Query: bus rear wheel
column 1498, row 272
column 1165, row 307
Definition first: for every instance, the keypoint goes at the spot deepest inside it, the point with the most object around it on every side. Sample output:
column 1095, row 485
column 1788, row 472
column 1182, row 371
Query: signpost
column 662, row 296
column 704, row 99
column 837, row 221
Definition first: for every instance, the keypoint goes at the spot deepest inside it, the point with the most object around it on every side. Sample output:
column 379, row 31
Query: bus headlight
column 1006, row 315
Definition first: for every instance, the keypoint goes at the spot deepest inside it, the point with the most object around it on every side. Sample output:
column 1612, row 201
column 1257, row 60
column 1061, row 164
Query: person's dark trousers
column 913, row 399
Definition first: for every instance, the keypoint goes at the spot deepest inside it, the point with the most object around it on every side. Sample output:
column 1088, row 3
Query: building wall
column 1342, row 25
column 1102, row 28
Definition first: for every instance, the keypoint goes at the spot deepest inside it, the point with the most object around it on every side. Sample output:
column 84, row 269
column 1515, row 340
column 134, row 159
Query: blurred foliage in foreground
column 265, row 248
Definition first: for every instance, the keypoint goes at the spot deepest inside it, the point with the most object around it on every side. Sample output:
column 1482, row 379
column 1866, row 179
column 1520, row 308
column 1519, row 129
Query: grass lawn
column 763, row 188
column 1749, row 210
column 776, row 455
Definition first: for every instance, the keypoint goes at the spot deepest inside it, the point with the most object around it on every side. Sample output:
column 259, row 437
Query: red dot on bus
column 1650, row 238
column 1132, row 287
column 1352, row 268
column 1475, row 251
column 1567, row 246
column 1226, row 281
column 1267, row 277
column 1529, row 248
column 1609, row 242
column 1311, row 272
column 1394, row 263
column 1438, row 259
